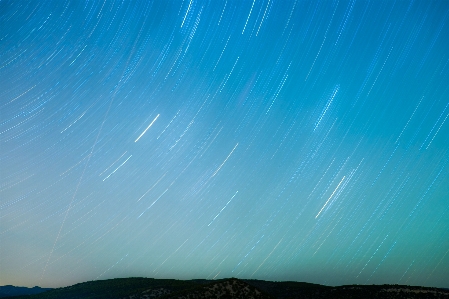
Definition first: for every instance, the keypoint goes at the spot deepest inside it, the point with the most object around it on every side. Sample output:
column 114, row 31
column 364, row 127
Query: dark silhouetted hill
column 9, row 290
column 227, row 288
column 148, row 288
column 116, row 288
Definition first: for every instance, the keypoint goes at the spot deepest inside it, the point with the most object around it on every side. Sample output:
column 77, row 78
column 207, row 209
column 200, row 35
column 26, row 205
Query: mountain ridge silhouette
column 148, row 288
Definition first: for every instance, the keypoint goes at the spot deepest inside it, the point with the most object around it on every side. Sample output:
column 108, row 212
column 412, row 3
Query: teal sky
column 264, row 139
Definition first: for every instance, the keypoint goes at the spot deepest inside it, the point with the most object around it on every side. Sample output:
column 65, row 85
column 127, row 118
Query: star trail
column 264, row 139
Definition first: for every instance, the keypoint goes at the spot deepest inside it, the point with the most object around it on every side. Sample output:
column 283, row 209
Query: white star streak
column 267, row 257
column 153, row 203
column 223, row 208
column 152, row 187
column 218, row 169
column 263, row 17
column 329, row 102
column 187, row 12
column 113, row 163
column 329, row 198
column 249, row 15
column 149, row 126
column 437, row 131
column 117, row 168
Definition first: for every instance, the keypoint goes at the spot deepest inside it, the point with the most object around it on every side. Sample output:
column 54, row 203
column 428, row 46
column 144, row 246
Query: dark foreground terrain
column 10, row 290
column 147, row 288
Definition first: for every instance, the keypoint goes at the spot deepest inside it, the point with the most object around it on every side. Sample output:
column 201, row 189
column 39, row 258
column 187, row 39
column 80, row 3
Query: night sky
column 263, row 139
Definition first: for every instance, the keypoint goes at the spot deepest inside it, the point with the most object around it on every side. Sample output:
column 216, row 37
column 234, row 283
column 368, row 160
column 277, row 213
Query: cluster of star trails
column 264, row 139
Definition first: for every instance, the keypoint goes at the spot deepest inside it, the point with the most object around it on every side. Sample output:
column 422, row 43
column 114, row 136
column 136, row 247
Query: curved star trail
column 264, row 139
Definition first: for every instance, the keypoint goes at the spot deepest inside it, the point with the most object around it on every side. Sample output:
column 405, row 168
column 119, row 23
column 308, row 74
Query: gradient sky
column 264, row 139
